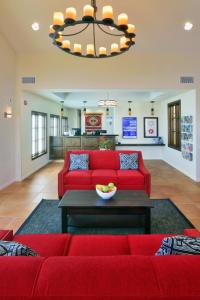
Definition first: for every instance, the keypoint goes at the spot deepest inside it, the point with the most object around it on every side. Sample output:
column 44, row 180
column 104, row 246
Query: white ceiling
column 74, row 99
column 159, row 23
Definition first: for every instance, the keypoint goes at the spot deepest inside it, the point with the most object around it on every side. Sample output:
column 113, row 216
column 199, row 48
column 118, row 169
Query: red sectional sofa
column 104, row 167
column 98, row 267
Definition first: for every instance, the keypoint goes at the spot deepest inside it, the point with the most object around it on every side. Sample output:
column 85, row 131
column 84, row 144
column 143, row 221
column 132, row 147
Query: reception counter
column 59, row 144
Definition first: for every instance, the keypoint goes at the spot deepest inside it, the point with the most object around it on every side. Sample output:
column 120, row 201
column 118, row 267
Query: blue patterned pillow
column 179, row 245
column 78, row 162
column 8, row 248
column 128, row 161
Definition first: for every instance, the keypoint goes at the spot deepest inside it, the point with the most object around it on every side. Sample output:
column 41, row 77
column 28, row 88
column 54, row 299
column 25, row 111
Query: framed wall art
column 150, row 127
column 129, row 128
column 93, row 121
column 187, row 137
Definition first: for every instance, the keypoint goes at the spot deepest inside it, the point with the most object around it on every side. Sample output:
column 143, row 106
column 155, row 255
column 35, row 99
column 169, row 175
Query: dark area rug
column 46, row 218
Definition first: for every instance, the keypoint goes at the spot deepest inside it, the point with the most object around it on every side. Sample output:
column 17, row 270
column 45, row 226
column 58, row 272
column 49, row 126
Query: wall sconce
column 84, row 109
column 152, row 108
column 130, row 110
column 7, row 115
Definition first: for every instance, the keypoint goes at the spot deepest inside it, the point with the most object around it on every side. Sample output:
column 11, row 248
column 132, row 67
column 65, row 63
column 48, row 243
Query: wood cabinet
column 58, row 145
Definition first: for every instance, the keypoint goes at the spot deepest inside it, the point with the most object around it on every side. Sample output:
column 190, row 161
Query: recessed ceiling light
column 35, row 26
column 188, row 26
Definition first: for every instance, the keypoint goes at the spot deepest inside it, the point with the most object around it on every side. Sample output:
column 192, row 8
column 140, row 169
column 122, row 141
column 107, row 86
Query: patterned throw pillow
column 78, row 162
column 128, row 161
column 179, row 245
column 8, row 248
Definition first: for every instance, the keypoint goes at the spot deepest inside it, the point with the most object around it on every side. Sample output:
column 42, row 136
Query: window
column 64, row 125
column 174, row 125
column 39, row 134
column 54, row 125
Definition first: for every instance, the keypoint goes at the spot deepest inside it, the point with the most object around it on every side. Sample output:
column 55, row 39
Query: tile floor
column 19, row 199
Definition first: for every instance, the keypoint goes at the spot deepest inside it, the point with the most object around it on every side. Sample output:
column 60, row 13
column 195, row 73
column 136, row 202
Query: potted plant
column 104, row 144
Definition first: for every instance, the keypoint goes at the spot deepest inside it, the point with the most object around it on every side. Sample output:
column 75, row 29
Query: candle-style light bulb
column 123, row 45
column 58, row 20
column 88, row 10
column 114, row 48
column 123, row 21
column 107, row 14
column 66, row 45
column 131, row 28
column 102, row 51
column 70, row 15
column 90, row 49
column 59, row 40
column 78, row 49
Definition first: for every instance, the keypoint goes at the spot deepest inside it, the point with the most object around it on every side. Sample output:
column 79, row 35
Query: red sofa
column 104, row 167
column 98, row 267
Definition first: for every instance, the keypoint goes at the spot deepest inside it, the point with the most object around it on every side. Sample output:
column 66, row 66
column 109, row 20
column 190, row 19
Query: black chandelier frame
column 93, row 21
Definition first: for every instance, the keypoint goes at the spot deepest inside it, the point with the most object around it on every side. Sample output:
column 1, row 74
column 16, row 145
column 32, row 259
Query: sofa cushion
column 79, row 161
column 145, row 244
column 104, row 159
column 97, row 277
column 18, row 276
column 78, row 177
column 104, row 176
column 132, row 177
column 128, row 161
column 179, row 245
column 12, row 248
column 46, row 244
column 98, row 245
column 178, row 276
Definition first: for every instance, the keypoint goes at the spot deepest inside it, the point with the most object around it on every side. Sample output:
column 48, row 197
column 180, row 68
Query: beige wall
column 41, row 104
column 140, row 109
column 132, row 71
column 7, row 126
column 174, row 157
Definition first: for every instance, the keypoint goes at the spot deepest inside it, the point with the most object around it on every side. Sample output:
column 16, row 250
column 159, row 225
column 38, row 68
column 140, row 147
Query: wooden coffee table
column 82, row 202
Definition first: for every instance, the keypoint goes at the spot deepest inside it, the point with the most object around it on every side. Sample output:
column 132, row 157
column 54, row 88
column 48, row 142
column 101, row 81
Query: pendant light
column 62, row 109
column 152, row 108
column 129, row 109
column 84, row 109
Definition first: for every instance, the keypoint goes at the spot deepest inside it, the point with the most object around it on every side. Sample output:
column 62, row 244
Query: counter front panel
column 59, row 145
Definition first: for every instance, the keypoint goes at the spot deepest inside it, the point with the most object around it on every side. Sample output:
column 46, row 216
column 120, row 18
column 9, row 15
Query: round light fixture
column 61, row 35
column 35, row 26
column 188, row 26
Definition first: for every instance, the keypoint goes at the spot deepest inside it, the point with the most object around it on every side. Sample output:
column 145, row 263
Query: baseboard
column 34, row 171
column 181, row 171
column 5, row 184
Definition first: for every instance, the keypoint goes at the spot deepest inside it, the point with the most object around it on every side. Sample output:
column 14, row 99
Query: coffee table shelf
column 87, row 202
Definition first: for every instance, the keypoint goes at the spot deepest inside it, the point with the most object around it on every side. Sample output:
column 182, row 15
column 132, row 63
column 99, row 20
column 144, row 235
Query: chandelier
column 109, row 103
column 124, row 32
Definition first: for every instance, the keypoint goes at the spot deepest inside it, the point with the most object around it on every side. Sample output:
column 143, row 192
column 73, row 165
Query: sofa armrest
column 61, row 175
column 6, row 235
column 192, row 232
column 147, row 178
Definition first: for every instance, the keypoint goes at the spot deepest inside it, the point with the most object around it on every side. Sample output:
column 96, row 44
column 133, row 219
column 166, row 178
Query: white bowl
column 108, row 195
